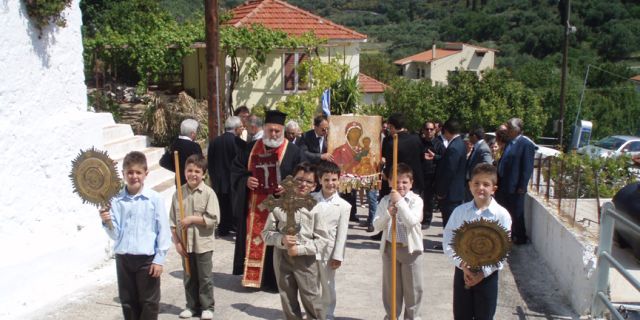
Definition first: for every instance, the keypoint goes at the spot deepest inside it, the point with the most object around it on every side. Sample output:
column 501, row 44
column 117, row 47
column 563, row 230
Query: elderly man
column 256, row 173
column 314, row 142
column 514, row 171
column 254, row 128
column 222, row 150
column 292, row 132
column 185, row 145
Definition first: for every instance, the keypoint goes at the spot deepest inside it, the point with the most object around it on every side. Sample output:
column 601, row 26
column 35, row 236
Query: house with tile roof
column 436, row 63
column 372, row 90
column 278, row 78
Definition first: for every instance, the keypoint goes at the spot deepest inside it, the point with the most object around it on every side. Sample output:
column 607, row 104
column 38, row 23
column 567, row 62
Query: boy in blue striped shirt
column 142, row 238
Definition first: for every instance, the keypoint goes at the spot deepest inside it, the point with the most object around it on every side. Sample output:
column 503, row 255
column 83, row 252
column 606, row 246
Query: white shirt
column 332, row 218
column 409, row 216
column 469, row 212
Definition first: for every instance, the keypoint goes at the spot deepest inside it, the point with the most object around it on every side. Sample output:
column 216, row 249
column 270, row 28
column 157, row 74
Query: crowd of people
column 465, row 176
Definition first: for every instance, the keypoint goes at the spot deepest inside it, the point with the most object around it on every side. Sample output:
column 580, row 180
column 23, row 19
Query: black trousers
column 514, row 203
column 226, row 214
column 478, row 302
column 428, row 197
column 139, row 292
column 351, row 198
column 446, row 208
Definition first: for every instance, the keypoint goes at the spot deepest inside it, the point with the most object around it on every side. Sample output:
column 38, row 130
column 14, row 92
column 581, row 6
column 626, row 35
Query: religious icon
column 265, row 169
column 355, row 145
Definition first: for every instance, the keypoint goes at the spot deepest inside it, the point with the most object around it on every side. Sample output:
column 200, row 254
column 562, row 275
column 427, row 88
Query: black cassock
column 239, row 175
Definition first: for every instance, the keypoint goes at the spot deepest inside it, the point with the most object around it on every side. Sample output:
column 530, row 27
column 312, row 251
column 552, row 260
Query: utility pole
column 565, row 12
column 213, row 62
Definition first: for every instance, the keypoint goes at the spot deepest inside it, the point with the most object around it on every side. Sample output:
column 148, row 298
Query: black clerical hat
column 275, row 116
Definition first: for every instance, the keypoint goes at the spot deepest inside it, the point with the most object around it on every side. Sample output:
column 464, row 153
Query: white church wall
column 51, row 242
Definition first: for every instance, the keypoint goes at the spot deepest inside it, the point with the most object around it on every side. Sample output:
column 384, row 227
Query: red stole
column 267, row 173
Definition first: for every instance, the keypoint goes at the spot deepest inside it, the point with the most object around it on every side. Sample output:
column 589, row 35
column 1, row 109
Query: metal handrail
column 601, row 299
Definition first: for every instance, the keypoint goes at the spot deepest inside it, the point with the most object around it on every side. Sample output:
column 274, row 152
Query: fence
column 576, row 185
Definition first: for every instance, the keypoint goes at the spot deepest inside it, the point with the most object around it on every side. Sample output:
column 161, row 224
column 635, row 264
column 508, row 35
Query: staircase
column 120, row 140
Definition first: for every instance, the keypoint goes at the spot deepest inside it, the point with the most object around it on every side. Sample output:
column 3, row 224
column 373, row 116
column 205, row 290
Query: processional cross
column 290, row 202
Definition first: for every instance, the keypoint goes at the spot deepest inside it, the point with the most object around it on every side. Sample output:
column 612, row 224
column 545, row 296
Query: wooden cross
column 290, row 202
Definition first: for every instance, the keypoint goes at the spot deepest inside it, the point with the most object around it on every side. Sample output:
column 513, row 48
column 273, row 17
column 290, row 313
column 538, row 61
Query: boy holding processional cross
column 142, row 239
column 199, row 218
column 333, row 222
column 475, row 292
column 406, row 207
column 294, row 253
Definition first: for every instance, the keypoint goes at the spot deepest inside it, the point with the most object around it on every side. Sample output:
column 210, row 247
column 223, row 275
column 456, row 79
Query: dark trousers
column 446, row 208
column 428, row 197
column 514, row 203
column 226, row 214
column 198, row 287
column 139, row 293
column 351, row 198
column 476, row 303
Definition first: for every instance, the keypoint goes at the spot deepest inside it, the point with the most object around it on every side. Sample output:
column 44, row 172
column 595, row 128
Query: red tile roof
column 370, row 85
column 426, row 56
column 279, row 15
column 636, row 78
column 449, row 49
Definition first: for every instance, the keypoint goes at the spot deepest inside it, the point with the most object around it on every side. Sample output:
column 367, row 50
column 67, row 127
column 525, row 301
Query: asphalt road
column 527, row 288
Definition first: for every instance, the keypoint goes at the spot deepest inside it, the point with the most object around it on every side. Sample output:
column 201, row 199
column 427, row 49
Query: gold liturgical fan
column 481, row 243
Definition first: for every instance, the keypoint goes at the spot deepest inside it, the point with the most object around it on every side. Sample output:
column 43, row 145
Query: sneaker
column 206, row 315
column 186, row 314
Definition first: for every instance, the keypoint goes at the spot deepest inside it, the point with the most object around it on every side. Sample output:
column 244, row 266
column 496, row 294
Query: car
column 613, row 146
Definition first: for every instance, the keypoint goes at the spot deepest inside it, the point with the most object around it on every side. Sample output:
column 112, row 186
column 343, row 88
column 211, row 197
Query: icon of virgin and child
column 357, row 155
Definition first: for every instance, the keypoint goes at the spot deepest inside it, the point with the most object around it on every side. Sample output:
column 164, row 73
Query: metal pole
column 212, row 54
column 563, row 80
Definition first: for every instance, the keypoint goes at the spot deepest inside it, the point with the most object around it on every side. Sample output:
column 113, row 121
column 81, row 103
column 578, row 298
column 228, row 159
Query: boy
column 142, row 238
column 406, row 207
column 200, row 211
column 333, row 222
column 480, row 299
column 294, row 256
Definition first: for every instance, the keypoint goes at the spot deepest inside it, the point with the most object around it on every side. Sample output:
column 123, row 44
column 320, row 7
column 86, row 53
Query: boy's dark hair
column 404, row 169
column 318, row 120
column 306, row 167
column 134, row 158
column 452, row 126
column 488, row 169
column 198, row 160
column 325, row 167
column 240, row 110
column 397, row 120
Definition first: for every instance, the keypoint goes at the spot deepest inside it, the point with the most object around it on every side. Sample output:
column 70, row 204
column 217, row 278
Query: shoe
column 354, row 219
column 186, row 314
column 437, row 247
column 206, row 315
column 426, row 226
column 377, row 236
column 363, row 224
column 370, row 228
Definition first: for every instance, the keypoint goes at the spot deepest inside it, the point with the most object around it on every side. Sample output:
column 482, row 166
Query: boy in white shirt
column 406, row 207
column 479, row 298
column 332, row 216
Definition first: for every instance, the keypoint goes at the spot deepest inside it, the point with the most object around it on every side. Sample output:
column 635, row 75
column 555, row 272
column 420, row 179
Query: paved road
column 527, row 288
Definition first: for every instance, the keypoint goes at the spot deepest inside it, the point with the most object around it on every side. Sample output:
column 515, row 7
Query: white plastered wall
column 50, row 240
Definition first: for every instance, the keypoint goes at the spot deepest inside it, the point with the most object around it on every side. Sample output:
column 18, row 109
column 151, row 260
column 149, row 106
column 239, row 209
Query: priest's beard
column 273, row 143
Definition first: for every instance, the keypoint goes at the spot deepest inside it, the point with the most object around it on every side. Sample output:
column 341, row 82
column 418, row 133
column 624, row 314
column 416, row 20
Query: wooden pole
column 394, row 186
column 183, row 231
column 213, row 62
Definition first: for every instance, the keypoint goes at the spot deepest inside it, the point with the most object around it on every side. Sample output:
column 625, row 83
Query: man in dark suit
column 314, row 142
column 185, row 146
column 481, row 153
column 409, row 151
column 431, row 145
column 514, row 171
column 222, row 150
column 450, row 175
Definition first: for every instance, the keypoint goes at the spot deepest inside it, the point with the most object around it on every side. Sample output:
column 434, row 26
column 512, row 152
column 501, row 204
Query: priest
column 255, row 174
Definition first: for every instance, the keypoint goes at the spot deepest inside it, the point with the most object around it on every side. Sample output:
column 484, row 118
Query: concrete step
column 116, row 132
column 158, row 175
column 166, row 190
column 153, row 155
column 119, row 148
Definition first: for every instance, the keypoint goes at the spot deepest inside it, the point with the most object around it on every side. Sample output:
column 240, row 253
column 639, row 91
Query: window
column 292, row 81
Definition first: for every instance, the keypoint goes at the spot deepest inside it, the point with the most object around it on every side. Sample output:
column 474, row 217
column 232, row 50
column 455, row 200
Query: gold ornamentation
column 94, row 177
column 481, row 243
column 290, row 202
